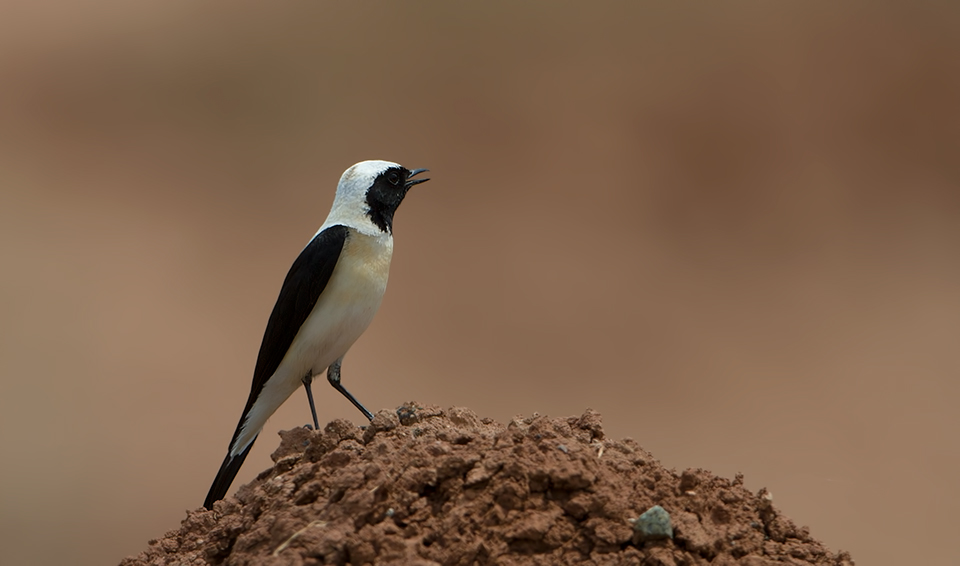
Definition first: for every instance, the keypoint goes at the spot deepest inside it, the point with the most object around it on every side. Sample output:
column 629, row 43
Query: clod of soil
column 423, row 486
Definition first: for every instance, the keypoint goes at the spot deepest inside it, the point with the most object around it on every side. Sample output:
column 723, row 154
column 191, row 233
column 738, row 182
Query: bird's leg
column 307, row 381
column 333, row 376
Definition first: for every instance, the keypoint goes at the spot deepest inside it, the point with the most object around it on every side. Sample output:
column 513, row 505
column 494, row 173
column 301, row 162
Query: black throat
column 385, row 195
column 382, row 215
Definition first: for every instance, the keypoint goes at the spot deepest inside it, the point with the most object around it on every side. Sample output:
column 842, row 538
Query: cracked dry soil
column 425, row 486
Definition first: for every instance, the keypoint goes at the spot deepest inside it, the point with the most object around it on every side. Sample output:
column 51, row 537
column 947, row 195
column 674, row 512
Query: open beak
column 411, row 181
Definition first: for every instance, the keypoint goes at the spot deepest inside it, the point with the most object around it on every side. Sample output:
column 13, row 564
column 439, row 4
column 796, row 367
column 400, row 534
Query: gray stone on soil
column 654, row 524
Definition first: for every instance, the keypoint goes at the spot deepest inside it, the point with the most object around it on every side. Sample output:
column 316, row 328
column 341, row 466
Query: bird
column 328, row 298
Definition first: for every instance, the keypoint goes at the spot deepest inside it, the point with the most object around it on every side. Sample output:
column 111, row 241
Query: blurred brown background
column 733, row 229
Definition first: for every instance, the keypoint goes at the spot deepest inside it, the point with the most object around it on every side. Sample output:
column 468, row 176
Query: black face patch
column 385, row 195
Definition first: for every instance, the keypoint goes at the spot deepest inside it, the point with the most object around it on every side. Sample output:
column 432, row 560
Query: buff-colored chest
column 344, row 310
column 347, row 305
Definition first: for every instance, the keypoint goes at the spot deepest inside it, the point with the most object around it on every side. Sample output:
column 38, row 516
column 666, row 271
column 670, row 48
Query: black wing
column 301, row 289
column 307, row 278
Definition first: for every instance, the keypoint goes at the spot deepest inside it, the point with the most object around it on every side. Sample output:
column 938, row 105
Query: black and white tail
column 228, row 471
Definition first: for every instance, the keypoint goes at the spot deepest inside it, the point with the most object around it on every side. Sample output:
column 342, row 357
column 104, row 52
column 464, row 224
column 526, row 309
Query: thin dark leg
column 307, row 381
column 333, row 376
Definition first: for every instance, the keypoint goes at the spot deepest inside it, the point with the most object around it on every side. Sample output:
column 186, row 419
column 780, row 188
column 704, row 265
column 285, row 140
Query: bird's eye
column 393, row 178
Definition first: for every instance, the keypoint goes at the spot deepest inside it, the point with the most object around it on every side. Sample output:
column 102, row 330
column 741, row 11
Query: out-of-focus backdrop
column 733, row 229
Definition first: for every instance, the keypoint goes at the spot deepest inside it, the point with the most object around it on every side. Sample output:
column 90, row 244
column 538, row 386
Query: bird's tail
column 228, row 471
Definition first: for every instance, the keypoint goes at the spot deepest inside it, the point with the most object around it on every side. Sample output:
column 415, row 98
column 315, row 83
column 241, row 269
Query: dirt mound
column 425, row 486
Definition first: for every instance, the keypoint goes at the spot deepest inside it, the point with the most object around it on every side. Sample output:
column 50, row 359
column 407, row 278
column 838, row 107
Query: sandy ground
column 427, row 487
column 733, row 232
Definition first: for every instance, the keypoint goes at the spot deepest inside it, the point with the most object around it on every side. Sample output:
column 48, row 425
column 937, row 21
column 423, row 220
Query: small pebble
column 654, row 524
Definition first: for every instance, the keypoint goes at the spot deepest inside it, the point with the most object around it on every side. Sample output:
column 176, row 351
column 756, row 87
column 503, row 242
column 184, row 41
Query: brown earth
column 428, row 486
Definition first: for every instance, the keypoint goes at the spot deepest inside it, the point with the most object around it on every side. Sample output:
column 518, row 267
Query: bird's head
column 371, row 191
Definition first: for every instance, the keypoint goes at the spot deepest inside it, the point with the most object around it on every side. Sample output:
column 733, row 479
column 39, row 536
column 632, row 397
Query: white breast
column 345, row 309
